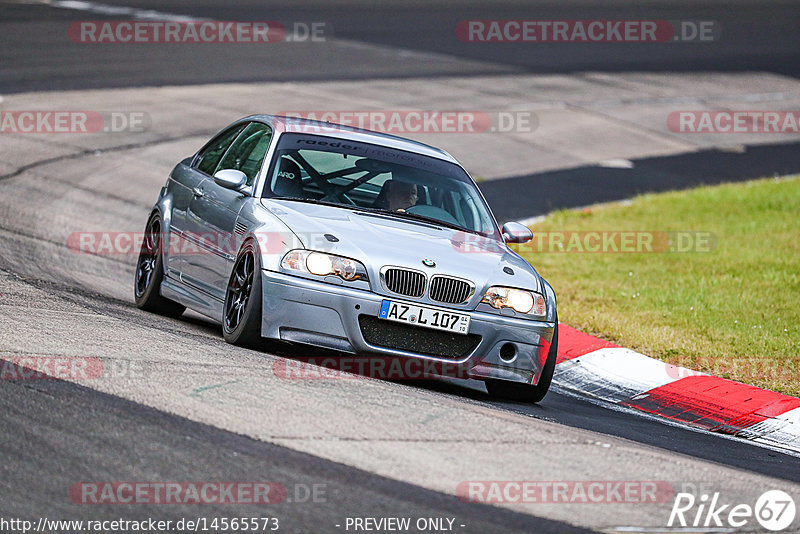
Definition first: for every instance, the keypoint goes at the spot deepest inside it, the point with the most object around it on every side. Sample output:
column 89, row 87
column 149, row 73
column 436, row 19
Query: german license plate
column 438, row 319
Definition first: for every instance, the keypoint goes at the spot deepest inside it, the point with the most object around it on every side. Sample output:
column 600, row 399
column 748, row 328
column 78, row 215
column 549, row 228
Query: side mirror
column 230, row 178
column 514, row 232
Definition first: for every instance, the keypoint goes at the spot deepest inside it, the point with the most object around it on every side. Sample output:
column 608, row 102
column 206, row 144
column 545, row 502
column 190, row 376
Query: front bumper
column 327, row 315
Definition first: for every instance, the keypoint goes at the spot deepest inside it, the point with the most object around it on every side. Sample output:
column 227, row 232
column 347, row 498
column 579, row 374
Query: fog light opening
column 508, row 352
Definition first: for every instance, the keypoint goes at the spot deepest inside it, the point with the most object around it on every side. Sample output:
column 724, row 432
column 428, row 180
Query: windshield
column 376, row 178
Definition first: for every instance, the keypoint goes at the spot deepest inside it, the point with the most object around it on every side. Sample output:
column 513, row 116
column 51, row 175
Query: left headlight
column 322, row 264
column 519, row 300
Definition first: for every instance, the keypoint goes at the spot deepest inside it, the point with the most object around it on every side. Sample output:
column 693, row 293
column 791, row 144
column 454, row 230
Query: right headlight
column 519, row 300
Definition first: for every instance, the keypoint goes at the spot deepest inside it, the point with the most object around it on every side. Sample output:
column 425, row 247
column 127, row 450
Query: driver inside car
column 401, row 195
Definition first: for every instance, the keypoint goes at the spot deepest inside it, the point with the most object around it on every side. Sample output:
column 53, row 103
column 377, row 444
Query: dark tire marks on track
column 123, row 441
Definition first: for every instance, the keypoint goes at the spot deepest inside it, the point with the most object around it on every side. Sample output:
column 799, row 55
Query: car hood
column 378, row 239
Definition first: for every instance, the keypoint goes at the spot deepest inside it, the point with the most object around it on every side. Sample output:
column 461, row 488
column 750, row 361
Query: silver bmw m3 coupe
column 351, row 240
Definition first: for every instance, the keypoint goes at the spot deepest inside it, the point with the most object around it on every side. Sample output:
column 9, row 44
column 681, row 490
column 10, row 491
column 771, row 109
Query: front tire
column 150, row 273
column 525, row 392
column 241, row 321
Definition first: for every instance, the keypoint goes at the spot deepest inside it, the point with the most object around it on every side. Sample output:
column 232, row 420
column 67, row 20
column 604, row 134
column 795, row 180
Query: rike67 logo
column 774, row 510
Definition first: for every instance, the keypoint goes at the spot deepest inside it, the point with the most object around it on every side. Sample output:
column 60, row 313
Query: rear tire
column 241, row 319
column 525, row 392
column 150, row 273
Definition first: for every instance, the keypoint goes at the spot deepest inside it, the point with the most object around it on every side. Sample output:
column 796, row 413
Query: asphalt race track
column 755, row 36
column 182, row 405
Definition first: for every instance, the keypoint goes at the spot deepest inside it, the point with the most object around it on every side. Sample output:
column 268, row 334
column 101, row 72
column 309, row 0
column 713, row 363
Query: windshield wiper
column 432, row 220
column 311, row 201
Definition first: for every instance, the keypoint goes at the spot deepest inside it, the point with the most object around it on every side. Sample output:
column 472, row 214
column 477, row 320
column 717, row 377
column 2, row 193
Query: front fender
column 273, row 237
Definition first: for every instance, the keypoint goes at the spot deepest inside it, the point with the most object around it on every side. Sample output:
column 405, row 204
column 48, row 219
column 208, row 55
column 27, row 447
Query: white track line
column 121, row 11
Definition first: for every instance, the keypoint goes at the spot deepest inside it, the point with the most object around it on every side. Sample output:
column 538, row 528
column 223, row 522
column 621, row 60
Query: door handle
column 198, row 192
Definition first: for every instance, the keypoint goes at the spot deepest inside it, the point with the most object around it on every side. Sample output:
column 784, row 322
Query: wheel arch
column 552, row 304
column 163, row 207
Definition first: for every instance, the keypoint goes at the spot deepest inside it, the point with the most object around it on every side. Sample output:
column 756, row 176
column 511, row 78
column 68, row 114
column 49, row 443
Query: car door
column 216, row 208
column 186, row 182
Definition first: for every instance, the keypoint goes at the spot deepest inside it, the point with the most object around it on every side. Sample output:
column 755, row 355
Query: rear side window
column 247, row 153
column 209, row 158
